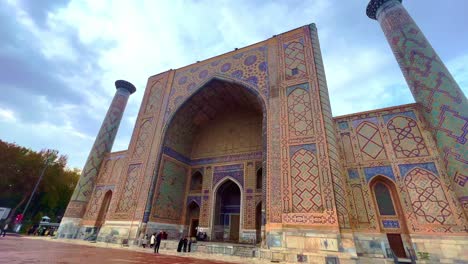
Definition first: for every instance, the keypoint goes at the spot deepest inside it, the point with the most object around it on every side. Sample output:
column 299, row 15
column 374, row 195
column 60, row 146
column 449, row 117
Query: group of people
column 185, row 244
column 155, row 240
column 41, row 231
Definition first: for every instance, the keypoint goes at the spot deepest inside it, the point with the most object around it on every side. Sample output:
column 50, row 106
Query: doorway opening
column 227, row 212
column 258, row 222
column 389, row 212
column 193, row 214
column 101, row 218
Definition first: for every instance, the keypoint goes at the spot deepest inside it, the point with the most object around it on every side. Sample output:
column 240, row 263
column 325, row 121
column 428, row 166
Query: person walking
column 152, row 240
column 180, row 245
column 185, row 244
column 158, row 242
column 144, row 242
column 5, row 227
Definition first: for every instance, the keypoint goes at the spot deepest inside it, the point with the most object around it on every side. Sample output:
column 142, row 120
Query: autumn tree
column 20, row 169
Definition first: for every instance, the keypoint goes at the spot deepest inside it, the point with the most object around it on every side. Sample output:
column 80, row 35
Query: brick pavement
column 24, row 250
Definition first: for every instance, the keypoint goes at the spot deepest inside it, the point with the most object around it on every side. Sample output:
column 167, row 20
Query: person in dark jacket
column 180, row 245
column 4, row 230
column 185, row 244
column 158, row 242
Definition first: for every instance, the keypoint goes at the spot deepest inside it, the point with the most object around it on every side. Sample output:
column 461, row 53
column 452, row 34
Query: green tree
column 19, row 171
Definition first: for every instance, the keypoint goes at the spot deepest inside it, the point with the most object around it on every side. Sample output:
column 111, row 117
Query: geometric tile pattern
column 300, row 112
column 102, row 145
column 406, row 138
column 370, row 142
column 429, row 166
column 428, row 198
column 248, row 68
column 128, row 198
column 154, row 98
column 332, row 180
column 306, row 192
column 170, row 192
column 141, row 143
column 360, row 205
column 390, row 224
column 235, row 171
column 433, row 87
column 294, row 59
column 96, row 201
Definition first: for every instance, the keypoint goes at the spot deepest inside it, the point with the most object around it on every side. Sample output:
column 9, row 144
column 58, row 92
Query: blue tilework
column 407, row 114
column 310, row 147
column 381, row 170
column 430, row 166
column 304, row 86
column 353, row 174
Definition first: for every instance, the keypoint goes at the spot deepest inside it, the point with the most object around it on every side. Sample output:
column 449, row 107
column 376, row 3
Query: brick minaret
column 103, row 145
column 444, row 105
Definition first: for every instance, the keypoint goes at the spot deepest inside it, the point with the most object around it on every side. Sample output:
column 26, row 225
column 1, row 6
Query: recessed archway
column 222, row 120
column 227, row 214
column 192, row 218
column 259, row 179
column 258, row 222
column 196, row 182
column 104, row 208
column 389, row 213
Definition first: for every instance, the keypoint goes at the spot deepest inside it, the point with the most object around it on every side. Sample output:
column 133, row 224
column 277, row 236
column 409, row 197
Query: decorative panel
column 407, row 141
column 143, row 137
column 154, row 97
column 359, row 203
column 169, row 201
column 370, row 142
column 128, row 198
column 300, row 111
column 347, row 147
column 305, row 181
column 294, row 59
column 427, row 197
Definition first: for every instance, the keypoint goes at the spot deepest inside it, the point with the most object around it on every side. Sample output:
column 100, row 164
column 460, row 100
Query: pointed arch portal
column 221, row 124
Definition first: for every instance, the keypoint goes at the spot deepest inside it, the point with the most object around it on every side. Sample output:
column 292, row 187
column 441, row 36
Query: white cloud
column 133, row 40
column 7, row 115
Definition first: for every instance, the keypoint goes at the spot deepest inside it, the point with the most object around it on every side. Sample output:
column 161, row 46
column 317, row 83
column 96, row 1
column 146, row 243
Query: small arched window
column 259, row 179
column 384, row 199
column 196, row 182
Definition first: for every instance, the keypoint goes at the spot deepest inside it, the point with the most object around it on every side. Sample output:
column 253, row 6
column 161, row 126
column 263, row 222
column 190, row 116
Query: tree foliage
column 20, row 169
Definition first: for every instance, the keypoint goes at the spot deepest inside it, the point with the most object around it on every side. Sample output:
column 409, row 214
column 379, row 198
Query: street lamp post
column 50, row 156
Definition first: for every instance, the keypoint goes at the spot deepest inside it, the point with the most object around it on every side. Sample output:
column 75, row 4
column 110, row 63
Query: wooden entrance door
column 193, row 227
column 396, row 244
column 234, row 228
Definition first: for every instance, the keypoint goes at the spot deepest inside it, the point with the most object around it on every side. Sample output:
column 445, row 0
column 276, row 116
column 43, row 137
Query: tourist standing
column 158, row 242
column 185, row 244
column 180, row 245
column 144, row 242
column 152, row 239
column 5, row 227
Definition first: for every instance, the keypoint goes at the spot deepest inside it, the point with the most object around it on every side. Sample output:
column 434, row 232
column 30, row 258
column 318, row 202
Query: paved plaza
column 16, row 249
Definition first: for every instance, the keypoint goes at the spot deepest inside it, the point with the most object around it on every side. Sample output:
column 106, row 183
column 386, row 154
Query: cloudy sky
column 59, row 58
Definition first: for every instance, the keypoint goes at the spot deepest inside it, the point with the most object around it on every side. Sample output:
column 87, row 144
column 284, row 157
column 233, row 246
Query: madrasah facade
column 243, row 147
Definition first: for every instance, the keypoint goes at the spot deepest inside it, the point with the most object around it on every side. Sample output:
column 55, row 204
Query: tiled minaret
column 102, row 145
column 444, row 105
